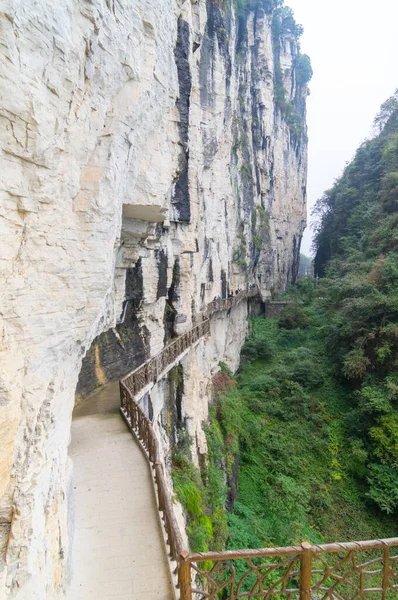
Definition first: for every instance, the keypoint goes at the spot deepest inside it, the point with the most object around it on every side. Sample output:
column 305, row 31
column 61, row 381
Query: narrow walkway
column 118, row 551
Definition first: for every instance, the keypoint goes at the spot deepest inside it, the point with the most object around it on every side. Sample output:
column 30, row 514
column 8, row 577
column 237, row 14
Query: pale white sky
column 353, row 45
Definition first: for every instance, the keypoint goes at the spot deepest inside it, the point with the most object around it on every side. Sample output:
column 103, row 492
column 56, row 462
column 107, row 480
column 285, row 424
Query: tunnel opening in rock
column 120, row 349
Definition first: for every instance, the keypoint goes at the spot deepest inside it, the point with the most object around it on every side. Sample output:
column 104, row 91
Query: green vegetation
column 284, row 22
column 303, row 69
column 245, row 6
column 356, row 250
column 202, row 492
column 301, row 468
column 307, row 432
column 293, row 316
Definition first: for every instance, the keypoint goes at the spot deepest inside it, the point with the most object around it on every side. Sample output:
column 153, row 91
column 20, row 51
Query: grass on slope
column 295, row 459
column 278, row 430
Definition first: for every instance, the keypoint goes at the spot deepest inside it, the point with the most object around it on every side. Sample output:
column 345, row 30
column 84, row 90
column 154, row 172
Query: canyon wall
column 153, row 154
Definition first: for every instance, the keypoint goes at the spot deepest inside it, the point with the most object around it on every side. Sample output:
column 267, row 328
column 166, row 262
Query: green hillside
column 303, row 442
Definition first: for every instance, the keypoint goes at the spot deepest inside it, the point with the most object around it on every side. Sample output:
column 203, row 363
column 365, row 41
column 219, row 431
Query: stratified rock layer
column 145, row 168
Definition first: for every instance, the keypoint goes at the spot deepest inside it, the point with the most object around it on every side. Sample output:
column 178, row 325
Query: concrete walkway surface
column 118, row 550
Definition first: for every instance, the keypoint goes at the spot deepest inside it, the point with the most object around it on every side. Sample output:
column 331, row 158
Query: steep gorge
column 153, row 155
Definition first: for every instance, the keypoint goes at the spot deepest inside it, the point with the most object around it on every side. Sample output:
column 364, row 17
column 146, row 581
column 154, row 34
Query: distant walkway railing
column 330, row 571
column 226, row 303
column 151, row 371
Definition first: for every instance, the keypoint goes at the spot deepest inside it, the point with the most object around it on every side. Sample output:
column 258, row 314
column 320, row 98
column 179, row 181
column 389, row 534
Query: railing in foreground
column 331, row 571
column 335, row 571
column 143, row 430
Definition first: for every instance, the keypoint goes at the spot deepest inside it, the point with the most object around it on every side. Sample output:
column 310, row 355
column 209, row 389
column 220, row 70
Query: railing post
column 122, row 399
column 184, row 577
column 386, row 573
column 158, row 466
column 305, row 571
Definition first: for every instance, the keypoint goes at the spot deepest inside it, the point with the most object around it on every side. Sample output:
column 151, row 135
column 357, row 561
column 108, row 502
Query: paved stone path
column 118, row 549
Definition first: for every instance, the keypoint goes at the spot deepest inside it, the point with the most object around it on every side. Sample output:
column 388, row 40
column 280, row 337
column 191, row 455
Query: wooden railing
column 340, row 571
column 143, row 431
column 151, row 371
column 226, row 303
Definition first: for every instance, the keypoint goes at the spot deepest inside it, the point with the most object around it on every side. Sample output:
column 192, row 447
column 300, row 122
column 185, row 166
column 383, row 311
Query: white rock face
column 145, row 167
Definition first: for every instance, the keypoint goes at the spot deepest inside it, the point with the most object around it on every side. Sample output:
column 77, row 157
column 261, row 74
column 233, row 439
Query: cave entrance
column 122, row 348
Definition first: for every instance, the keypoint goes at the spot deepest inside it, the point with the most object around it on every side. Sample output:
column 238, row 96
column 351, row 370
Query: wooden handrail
column 151, row 370
column 297, row 571
column 143, row 430
column 220, row 305
column 287, row 550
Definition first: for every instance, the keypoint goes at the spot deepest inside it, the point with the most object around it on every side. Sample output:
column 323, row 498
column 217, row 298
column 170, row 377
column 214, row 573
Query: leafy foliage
column 202, row 493
column 387, row 110
column 383, row 486
column 256, row 349
column 303, row 69
column 244, row 6
column 303, row 473
column 191, row 493
column 293, row 316
column 356, row 254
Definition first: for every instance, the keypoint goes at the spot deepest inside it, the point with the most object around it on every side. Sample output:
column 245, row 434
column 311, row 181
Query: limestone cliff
column 153, row 154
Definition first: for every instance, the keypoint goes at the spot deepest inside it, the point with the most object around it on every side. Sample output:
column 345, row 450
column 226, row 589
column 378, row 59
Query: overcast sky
column 353, row 45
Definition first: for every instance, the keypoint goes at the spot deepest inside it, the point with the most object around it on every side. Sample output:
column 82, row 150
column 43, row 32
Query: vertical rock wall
column 145, row 167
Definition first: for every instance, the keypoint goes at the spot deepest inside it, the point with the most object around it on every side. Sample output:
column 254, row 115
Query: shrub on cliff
column 223, row 383
column 303, row 69
column 293, row 316
column 258, row 349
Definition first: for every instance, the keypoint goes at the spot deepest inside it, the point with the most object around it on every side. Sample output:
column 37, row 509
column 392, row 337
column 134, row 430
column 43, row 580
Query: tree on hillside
column 356, row 254
column 387, row 110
